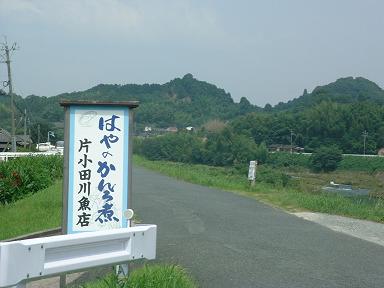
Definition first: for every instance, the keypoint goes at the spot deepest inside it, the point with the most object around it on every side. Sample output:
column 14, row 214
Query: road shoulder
column 362, row 229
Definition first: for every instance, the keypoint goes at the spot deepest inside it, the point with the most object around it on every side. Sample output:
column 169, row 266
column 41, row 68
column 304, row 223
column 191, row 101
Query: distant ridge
column 343, row 90
column 188, row 101
column 180, row 102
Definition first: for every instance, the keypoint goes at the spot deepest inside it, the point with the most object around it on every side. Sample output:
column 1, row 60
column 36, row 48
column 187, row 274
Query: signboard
column 97, row 176
column 252, row 170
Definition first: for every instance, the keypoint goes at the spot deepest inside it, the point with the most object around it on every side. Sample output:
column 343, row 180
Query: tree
column 262, row 153
column 326, row 159
column 268, row 107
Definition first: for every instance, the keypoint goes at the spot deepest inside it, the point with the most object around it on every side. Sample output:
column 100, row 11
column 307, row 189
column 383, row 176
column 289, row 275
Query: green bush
column 284, row 159
column 26, row 175
column 226, row 148
column 222, row 148
column 326, row 159
column 272, row 176
column 261, row 153
column 178, row 147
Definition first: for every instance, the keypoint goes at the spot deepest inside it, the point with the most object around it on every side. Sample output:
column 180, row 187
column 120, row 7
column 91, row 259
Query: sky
column 268, row 51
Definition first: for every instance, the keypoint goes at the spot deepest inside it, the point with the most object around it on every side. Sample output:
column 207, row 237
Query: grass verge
column 150, row 276
column 39, row 211
column 301, row 194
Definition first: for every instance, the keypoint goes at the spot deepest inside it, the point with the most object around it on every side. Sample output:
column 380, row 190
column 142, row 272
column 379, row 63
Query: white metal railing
column 43, row 257
column 5, row 156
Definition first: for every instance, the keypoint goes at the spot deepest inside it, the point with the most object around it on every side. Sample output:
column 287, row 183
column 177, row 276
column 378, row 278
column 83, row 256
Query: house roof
column 22, row 138
column 5, row 137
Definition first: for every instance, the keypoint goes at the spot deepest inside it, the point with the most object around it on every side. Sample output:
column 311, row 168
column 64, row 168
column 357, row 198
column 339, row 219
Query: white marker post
column 252, row 172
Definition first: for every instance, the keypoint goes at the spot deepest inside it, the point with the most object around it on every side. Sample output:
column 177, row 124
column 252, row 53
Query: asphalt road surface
column 226, row 240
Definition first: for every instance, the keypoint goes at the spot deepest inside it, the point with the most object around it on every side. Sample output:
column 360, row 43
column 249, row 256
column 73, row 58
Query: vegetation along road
column 226, row 240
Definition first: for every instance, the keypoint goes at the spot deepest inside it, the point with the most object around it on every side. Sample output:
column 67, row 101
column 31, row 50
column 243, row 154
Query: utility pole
column 25, row 128
column 4, row 47
column 365, row 135
column 50, row 133
column 38, row 137
column 291, row 141
column 30, row 137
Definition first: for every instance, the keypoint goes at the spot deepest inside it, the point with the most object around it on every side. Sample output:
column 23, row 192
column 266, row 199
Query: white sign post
column 252, row 172
column 96, row 198
column 97, row 174
column 98, row 165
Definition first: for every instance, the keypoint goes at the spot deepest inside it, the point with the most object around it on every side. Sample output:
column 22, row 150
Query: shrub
column 326, row 159
column 261, row 153
column 219, row 149
column 179, row 147
column 26, row 175
column 284, row 159
column 272, row 176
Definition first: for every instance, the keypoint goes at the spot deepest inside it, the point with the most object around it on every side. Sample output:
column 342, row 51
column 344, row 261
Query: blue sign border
column 72, row 111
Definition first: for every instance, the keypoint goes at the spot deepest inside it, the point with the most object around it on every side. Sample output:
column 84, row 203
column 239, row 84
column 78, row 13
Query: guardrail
column 37, row 258
column 5, row 156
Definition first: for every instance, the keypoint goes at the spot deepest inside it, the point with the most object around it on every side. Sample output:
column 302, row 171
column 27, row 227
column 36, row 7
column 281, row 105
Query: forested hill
column 336, row 113
column 181, row 102
column 343, row 91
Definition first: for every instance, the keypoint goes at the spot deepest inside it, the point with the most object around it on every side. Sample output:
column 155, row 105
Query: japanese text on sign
column 99, row 169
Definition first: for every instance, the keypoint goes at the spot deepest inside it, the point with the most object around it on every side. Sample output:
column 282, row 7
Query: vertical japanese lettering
column 84, row 174
column 105, row 168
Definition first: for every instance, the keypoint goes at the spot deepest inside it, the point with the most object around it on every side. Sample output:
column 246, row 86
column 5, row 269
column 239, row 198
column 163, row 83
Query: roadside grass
column 37, row 212
column 149, row 276
column 301, row 193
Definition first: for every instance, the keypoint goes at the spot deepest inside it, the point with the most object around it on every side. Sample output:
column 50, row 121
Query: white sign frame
column 79, row 115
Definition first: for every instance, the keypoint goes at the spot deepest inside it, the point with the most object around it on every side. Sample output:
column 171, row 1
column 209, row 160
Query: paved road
column 226, row 240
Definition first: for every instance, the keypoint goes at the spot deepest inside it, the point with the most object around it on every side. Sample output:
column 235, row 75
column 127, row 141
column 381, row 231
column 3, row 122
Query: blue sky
column 267, row 51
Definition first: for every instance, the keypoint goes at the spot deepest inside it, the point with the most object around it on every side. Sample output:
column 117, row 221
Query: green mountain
column 333, row 114
column 344, row 90
column 181, row 102
column 336, row 113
